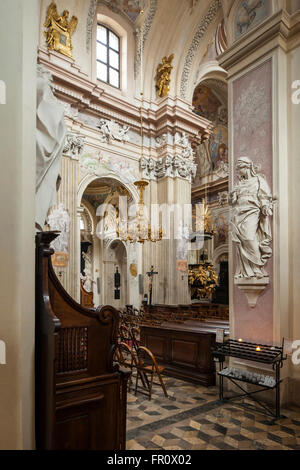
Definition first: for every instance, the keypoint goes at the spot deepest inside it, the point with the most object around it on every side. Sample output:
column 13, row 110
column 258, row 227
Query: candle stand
column 272, row 355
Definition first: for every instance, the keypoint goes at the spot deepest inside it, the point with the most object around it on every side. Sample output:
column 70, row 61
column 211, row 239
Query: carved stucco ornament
column 179, row 165
column 74, row 144
column 111, row 130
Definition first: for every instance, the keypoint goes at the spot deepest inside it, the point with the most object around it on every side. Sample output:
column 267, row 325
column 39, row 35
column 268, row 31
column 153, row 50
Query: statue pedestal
column 252, row 287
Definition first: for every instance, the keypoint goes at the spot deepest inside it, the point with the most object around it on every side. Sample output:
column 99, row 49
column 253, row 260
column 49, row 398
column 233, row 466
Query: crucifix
column 150, row 274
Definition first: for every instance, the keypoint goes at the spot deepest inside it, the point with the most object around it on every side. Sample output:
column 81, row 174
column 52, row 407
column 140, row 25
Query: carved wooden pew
column 80, row 395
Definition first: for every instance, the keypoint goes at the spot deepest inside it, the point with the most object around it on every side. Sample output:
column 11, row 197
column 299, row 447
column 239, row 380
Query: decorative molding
column 70, row 112
column 74, row 144
column 252, row 288
column 89, row 23
column 145, row 29
column 119, row 7
column 202, row 28
column 111, row 130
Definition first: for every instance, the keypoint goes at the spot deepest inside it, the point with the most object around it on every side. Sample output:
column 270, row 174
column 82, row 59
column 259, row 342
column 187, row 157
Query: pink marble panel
column 252, row 137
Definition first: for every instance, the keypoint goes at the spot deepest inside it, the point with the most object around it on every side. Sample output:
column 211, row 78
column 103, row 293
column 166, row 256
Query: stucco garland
column 146, row 28
column 202, row 28
column 89, row 23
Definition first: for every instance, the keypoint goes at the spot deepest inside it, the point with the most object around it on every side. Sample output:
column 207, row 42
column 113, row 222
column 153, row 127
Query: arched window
column 108, row 56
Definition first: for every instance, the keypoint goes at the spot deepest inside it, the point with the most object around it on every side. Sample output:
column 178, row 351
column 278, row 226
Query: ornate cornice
column 202, row 28
column 84, row 97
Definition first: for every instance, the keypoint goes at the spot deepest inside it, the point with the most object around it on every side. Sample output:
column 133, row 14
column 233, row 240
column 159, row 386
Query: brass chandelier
column 139, row 230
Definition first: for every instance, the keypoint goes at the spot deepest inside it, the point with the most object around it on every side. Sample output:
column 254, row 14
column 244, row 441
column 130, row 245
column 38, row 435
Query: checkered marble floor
column 193, row 418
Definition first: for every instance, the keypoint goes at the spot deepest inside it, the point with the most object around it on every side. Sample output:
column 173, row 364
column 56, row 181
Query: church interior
column 150, row 275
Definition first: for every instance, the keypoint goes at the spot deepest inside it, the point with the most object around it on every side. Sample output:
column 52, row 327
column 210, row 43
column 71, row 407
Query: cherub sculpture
column 163, row 75
column 60, row 30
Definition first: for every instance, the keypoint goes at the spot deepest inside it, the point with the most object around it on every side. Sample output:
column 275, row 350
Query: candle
column 240, row 340
column 258, row 348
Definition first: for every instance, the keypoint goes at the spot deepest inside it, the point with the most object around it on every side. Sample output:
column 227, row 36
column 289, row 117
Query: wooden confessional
column 80, row 394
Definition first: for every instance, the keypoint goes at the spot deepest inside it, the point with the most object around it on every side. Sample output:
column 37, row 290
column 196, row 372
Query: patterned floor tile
column 193, row 418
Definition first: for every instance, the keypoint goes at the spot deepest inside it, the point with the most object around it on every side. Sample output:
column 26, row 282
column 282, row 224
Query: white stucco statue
column 87, row 279
column 252, row 204
column 59, row 219
column 50, row 138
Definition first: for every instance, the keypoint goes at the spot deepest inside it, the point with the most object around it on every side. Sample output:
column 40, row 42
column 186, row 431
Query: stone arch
column 115, row 255
column 88, row 179
column 218, row 253
column 90, row 215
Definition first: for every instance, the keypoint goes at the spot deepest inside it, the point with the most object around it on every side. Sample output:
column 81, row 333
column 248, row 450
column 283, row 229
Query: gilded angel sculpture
column 163, row 75
column 60, row 30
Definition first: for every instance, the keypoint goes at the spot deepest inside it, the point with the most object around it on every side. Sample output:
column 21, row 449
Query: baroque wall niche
column 210, row 101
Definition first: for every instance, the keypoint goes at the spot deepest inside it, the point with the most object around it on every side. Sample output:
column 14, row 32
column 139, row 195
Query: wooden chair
column 134, row 333
column 125, row 357
column 144, row 357
column 125, row 336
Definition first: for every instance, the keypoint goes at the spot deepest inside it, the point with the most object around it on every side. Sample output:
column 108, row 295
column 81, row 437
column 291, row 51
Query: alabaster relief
column 111, row 130
column 59, row 219
column 252, row 205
